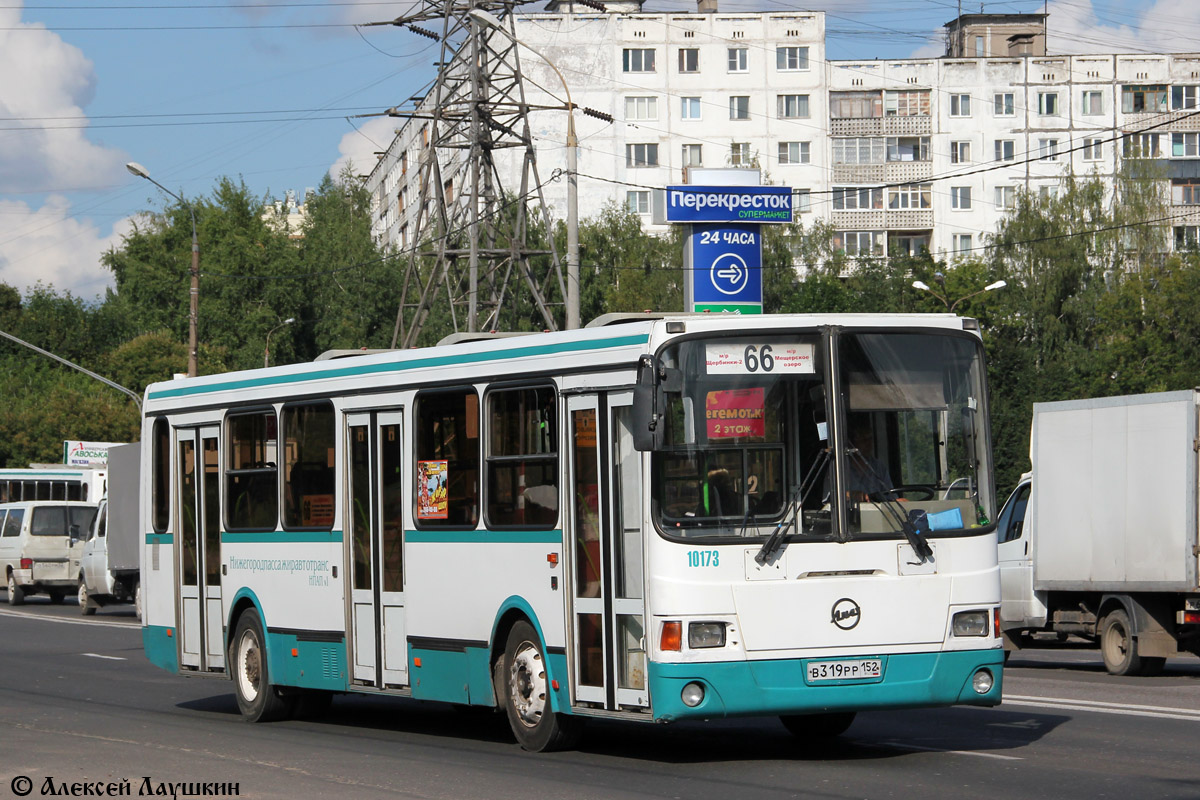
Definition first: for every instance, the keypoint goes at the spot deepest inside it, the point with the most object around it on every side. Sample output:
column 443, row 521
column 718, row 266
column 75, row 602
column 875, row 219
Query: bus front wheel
column 257, row 699
column 523, row 688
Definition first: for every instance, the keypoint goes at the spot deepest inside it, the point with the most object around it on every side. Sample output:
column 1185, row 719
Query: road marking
column 108, row 658
column 907, row 746
column 1126, row 709
column 19, row 615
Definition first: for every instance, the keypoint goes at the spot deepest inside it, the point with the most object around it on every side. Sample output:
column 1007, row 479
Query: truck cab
column 1021, row 608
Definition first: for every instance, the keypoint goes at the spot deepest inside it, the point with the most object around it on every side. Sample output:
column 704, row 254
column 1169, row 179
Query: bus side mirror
column 648, row 403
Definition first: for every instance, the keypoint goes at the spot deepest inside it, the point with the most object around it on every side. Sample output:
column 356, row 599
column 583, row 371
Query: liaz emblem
column 846, row 613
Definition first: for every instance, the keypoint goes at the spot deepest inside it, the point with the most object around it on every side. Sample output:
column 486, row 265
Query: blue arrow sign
column 726, row 264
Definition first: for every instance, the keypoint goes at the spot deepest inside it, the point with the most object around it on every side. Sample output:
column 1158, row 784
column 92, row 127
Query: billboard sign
column 689, row 204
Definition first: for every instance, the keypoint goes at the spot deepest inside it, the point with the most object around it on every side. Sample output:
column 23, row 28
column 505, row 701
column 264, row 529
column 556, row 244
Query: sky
column 277, row 93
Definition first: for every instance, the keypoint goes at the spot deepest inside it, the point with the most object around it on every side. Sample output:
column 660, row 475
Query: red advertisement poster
column 431, row 490
column 735, row 413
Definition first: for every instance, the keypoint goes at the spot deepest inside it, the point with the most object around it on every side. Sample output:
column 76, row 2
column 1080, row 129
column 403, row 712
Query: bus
column 661, row 518
column 53, row 482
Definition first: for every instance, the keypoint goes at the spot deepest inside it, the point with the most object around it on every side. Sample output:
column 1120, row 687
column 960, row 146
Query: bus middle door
column 376, row 525
column 608, row 608
column 198, row 579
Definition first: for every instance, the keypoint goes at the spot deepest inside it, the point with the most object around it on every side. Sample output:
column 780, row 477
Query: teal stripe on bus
column 484, row 537
column 160, row 538
column 291, row 537
column 417, row 363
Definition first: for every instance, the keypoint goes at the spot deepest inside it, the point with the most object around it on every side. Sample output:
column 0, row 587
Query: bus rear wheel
column 257, row 699
column 817, row 727
column 523, row 688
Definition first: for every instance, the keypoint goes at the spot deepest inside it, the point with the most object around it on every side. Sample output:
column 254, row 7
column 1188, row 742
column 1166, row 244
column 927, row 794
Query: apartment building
column 899, row 155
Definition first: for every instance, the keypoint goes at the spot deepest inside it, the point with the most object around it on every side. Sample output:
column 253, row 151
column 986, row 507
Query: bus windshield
column 748, row 439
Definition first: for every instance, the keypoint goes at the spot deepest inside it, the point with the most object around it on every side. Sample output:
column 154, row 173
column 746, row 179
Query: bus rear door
column 198, row 579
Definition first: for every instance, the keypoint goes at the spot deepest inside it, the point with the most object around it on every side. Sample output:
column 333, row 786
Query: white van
column 40, row 546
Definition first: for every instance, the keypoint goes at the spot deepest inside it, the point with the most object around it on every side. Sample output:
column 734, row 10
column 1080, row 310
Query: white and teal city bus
column 656, row 519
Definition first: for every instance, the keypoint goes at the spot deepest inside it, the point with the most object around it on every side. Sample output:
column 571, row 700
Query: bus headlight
column 970, row 623
column 706, row 634
column 982, row 681
column 692, row 695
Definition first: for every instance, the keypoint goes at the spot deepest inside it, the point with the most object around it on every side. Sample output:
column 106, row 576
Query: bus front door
column 605, row 554
column 378, row 640
column 198, row 577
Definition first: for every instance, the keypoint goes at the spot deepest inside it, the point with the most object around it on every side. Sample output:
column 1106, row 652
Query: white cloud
column 1167, row 26
column 42, row 77
column 359, row 147
column 47, row 244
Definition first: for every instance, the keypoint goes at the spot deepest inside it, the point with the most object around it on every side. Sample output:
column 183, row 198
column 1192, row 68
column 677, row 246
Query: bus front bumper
column 760, row 688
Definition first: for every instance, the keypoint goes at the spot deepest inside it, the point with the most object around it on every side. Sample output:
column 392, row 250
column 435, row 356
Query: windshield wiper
column 891, row 507
column 775, row 540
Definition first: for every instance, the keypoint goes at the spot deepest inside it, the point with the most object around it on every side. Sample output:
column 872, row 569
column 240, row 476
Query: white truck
column 109, row 567
column 1100, row 540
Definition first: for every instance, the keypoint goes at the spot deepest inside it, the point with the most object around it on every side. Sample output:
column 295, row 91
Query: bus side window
column 522, row 458
column 308, row 477
column 160, row 492
column 251, row 489
column 447, row 468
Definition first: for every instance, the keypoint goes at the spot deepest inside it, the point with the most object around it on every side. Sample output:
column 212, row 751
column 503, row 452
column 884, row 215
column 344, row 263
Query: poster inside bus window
column 316, row 510
column 747, row 358
column 735, row 413
column 432, row 502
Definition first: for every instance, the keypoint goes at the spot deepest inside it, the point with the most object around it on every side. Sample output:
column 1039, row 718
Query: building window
column 641, row 108
column 638, row 59
column 1093, row 149
column 912, row 197
column 1183, row 97
column 1185, row 145
column 1006, row 198
column 447, row 450
column 908, row 148
column 791, row 58
column 740, row 155
column 1048, row 193
column 739, row 107
column 689, row 107
column 960, row 152
column 1185, row 192
column 1187, row 237
column 641, row 155
column 1141, row 145
column 963, row 244
column 689, row 59
column 852, row 198
column 692, row 155
column 739, row 59
column 855, row 105
column 801, row 201
column 1006, row 150
column 1048, row 149
column 1003, row 105
column 522, row 458
column 1048, row 104
column 858, row 244
column 906, row 104
column 1093, row 103
column 792, row 106
column 861, row 150
column 960, row 105
column 793, row 152
column 637, row 201
column 1135, row 99
column 960, row 198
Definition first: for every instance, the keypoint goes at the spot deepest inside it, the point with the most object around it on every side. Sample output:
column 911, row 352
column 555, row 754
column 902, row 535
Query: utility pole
column 471, row 240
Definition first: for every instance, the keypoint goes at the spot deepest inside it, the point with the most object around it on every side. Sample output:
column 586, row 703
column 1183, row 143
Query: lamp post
column 194, row 304
column 951, row 306
column 491, row 21
column 267, row 349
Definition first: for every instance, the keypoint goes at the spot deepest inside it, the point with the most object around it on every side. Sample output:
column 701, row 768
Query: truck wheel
column 523, row 689
column 85, row 608
column 257, row 699
column 817, row 727
column 16, row 595
column 1118, row 646
column 137, row 600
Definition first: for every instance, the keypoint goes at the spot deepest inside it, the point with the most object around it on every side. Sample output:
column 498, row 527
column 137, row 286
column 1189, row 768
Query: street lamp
column 194, row 306
column 267, row 349
column 951, row 306
column 491, row 21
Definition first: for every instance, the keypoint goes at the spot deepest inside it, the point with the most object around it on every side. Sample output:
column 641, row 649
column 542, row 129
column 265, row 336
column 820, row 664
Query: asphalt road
column 79, row 703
